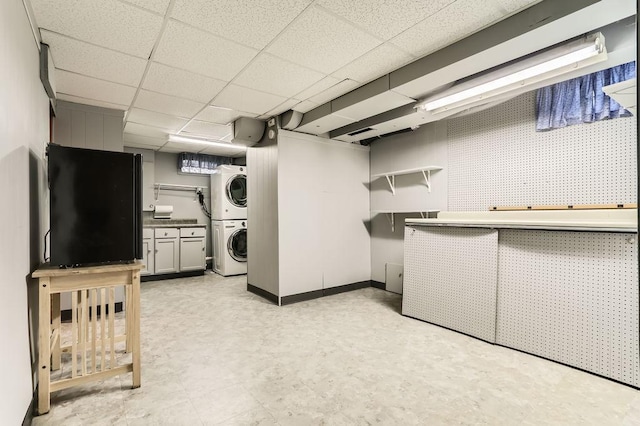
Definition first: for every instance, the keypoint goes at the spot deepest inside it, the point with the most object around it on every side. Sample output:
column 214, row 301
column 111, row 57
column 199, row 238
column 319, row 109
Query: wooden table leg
column 55, row 325
column 135, row 327
column 127, row 317
column 44, row 351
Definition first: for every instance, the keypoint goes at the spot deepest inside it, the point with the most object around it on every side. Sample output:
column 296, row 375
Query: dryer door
column 237, row 245
column 237, row 190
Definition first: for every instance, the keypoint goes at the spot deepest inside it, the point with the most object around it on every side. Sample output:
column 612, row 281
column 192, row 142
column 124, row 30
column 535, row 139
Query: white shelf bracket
column 392, row 183
column 427, row 178
column 392, row 221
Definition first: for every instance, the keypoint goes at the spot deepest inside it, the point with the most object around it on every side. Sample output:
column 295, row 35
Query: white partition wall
column 323, row 205
column 308, row 206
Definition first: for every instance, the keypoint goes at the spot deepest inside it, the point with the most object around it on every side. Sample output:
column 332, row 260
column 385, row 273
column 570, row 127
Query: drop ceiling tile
column 245, row 99
column 385, row 18
column 176, row 82
column 107, row 23
column 274, row 75
column 132, row 138
column 165, row 104
column 206, row 129
column 304, row 106
column 219, row 115
column 334, row 91
column 224, row 152
column 285, row 106
column 376, row 63
column 88, row 59
column 515, row 6
column 325, row 124
column 92, row 88
column 158, row 6
column 318, row 87
column 177, row 147
column 252, row 23
column 321, row 42
column 453, row 23
column 129, row 144
column 145, row 130
column 85, row 101
column 155, row 119
column 201, row 52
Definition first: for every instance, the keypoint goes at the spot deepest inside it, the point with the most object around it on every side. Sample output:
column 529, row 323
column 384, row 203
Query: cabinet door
column 147, row 256
column 148, row 195
column 192, row 254
column 167, row 255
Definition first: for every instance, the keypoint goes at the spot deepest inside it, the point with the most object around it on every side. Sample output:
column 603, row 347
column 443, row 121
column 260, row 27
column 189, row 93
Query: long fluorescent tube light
column 184, row 139
column 586, row 52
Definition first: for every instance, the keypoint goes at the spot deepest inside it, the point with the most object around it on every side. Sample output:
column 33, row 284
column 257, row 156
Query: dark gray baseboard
column 28, row 417
column 301, row 297
column 262, row 293
column 65, row 315
column 146, row 278
column 378, row 284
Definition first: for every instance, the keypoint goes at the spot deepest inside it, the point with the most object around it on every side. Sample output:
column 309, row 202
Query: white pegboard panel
column 571, row 297
column 495, row 157
column 450, row 277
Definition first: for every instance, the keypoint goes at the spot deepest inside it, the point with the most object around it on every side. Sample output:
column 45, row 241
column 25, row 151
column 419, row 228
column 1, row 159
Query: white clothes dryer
column 229, row 247
column 229, row 192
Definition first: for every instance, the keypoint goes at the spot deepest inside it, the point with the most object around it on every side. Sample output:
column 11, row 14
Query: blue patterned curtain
column 581, row 100
column 200, row 163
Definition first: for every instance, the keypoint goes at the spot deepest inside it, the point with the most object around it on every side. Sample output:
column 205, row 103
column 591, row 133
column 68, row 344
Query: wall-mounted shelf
column 624, row 93
column 424, row 214
column 391, row 176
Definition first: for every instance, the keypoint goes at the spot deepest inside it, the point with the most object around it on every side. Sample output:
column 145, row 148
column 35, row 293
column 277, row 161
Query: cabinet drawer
column 147, row 233
column 193, row 232
column 167, row 232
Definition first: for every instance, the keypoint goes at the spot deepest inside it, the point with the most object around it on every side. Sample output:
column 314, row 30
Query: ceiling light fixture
column 552, row 63
column 184, row 139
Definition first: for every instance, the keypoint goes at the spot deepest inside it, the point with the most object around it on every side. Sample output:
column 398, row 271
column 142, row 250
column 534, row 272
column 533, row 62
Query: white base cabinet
column 171, row 250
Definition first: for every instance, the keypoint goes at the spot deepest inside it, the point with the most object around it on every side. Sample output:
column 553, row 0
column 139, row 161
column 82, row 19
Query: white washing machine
column 229, row 247
column 229, row 192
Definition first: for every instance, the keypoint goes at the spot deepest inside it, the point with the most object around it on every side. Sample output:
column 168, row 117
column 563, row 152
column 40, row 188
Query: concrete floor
column 214, row 354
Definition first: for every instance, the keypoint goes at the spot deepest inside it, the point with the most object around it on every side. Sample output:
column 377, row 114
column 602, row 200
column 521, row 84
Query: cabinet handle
column 165, row 234
column 156, row 250
column 202, row 248
column 192, row 233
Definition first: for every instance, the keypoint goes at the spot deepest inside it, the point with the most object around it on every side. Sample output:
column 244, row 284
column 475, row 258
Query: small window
column 200, row 163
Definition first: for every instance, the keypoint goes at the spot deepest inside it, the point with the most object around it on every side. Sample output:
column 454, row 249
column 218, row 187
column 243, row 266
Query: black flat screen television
column 95, row 206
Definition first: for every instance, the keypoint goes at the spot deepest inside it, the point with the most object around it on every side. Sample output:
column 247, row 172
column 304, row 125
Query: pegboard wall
column 495, row 157
column 450, row 278
column 571, row 297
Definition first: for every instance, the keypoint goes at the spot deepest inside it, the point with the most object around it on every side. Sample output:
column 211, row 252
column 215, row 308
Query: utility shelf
column 391, row 176
column 391, row 215
column 624, row 93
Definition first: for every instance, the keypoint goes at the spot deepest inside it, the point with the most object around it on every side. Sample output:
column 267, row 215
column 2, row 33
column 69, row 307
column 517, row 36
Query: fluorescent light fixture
column 184, row 139
column 552, row 63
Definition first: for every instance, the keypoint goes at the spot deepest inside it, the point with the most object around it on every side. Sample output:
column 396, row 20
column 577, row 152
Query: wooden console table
column 93, row 333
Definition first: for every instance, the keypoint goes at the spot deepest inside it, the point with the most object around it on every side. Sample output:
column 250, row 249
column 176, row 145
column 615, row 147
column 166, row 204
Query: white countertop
column 597, row 220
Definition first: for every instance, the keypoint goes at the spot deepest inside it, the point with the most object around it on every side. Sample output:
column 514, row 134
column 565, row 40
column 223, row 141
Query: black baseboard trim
column 146, row 278
column 65, row 315
column 301, row 297
column 262, row 293
column 378, row 284
column 28, row 417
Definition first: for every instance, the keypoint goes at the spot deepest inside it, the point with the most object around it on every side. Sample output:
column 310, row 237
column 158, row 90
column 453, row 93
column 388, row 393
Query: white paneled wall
column 323, row 204
column 24, row 131
column 262, row 223
column 84, row 126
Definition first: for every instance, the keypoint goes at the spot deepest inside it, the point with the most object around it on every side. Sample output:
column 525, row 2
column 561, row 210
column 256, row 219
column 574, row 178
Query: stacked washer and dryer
column 229, row 219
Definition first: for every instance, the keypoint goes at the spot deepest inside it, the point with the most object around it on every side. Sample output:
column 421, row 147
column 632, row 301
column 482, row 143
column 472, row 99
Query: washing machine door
column 237, row 190
column 237, row 245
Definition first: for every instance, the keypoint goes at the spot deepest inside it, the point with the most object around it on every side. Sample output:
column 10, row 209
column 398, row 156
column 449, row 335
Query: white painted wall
column 323, row 213
column 426, row 146
column 24, row 131
column 262, row 213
